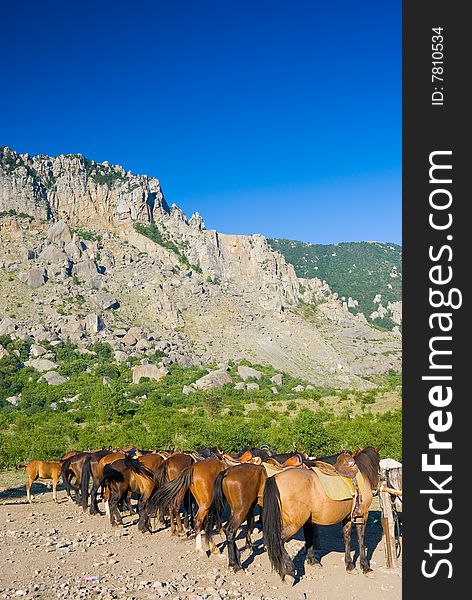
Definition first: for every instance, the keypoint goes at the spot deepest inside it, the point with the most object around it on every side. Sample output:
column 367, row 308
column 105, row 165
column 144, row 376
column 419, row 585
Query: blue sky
column 273, row 117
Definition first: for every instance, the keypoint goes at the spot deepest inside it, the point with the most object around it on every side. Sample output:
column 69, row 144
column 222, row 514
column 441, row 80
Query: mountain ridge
column 216, row 296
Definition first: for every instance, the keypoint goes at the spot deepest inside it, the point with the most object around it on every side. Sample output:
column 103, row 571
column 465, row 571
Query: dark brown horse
column 71, row 468
column 242, row 487
column 295, row 498
column 122, row 477
column 198, row 479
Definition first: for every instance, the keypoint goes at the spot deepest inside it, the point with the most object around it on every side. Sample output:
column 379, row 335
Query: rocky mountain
column 367, row 276
column 91, row 252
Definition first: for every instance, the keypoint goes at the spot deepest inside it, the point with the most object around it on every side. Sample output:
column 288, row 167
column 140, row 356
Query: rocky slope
column 89, row 251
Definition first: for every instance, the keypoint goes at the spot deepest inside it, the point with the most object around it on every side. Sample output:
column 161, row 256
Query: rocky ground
column 54, row 551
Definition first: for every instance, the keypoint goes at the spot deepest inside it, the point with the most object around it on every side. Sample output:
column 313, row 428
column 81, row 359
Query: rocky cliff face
column 75, row 188
column 95, row 242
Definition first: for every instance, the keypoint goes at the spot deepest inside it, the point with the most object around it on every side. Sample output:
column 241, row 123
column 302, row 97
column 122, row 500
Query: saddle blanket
column 337, row 487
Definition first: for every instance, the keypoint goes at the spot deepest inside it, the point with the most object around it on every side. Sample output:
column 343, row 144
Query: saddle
column 346, row 467
column 246, row 458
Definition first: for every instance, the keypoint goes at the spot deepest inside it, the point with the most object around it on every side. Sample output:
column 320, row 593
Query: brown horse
column 198, row 479
column 242, row 487
column 94, row 466
column 122, row 477
column 43, row 469
column 72, row 468
column 167, row 471
column 295, row 498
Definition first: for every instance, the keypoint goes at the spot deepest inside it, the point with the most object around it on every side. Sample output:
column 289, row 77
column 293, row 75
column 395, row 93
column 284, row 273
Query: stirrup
column 359, row 520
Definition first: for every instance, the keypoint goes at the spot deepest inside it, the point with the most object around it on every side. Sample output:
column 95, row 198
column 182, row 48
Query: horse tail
column 134, row 465
column 272, row 519
column 65, row 475
column 165, row 496
column 161, row 474
column 84, row 482
column 218, row 502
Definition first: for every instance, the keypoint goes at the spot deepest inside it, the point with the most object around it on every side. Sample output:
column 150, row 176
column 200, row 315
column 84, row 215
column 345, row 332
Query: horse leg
column 199, row 518
column 360, row 527
column 94, row 510
column 287, row 532
column 310, row 533
column 234, row 556
column 28, row 488
column 144, row 523
column 178, row 519
column 250, row 528
column 116, row 497
column 172, row 517
column 54, row 488
column 347, row 527
column 127, row 503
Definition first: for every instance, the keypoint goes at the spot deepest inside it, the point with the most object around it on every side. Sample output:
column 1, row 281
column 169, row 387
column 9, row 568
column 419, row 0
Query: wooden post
column 388, row 524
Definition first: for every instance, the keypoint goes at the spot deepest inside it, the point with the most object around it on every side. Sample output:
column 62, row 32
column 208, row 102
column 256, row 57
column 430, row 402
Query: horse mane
column 368, row 461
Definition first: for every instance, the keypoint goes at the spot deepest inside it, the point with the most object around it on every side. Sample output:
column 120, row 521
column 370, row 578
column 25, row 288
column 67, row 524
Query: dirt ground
column 54, row 551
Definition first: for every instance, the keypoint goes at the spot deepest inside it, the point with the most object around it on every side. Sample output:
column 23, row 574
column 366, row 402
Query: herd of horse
column 191, row 490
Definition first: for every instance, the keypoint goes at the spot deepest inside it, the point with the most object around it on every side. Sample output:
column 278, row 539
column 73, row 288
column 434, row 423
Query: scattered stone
column 214, row 379
column 59, row 233
column 150, row 371
column 37, row 351
column 93, row 323
column 53, row 378
column 105, row 300
column 41, row 364
column 7, row 326
column 277, row 379
column 248, row 372
column 34, row 278
column 188, row 389
column 252, row 386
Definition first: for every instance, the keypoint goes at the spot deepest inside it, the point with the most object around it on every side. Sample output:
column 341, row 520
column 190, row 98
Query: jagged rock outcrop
column 76, row 189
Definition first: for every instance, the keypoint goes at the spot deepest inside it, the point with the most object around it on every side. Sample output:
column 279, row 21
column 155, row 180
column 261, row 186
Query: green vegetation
column 356, row 269
column 102, row 174
column 12, row 213
column 90, row 411
column 155, row 234
column 86, row 234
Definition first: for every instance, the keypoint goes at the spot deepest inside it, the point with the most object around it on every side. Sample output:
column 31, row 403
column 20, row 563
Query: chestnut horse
column 240, row 486
column 295, row 498
column 198, row 479
column 43, row 469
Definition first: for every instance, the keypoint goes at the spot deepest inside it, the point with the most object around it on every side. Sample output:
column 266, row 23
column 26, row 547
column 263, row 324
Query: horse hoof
column 353, row 571
column 200, row 552
column 369, row 573
column 289, row 580
column 236, row 568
